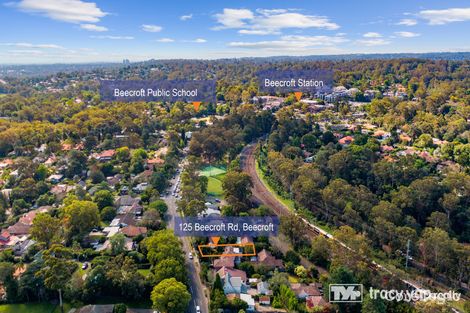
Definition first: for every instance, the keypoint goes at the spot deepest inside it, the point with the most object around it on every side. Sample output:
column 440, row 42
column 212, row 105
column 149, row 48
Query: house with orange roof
column 133, row 231
column 105, row 155
column 345, row 141
column 233, row 273
column 6, row 163
column 224, row 261
column 155, row 162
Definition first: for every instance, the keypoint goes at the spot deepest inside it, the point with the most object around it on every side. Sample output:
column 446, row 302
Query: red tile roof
column 233, row 272
column 107, row 154
column 133, row 231
column 267, row 259
column 314, row 301
column 19, row 229
column 309, row 290
column 226, row 261
column 28, row 218
column 155, row 161
column 346, row 140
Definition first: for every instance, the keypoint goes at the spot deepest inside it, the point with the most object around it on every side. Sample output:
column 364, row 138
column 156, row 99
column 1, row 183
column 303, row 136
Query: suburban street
column 196, row 288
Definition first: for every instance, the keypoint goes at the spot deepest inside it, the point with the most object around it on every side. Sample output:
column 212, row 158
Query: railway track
column 263, row 196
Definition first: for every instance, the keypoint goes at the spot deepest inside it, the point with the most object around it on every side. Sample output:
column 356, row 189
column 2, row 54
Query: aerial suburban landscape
column 234, row 158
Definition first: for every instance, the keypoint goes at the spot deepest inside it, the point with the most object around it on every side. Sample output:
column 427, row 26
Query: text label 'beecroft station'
column 272, row 81
column 227, row 226
column 161, row 90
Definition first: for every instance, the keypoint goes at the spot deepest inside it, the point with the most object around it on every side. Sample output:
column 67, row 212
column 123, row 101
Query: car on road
column 198, row 309
column 84, row 265
column 190, row 255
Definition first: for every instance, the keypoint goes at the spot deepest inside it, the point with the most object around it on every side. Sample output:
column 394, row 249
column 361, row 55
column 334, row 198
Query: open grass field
column 215, row 177
column 214, row 186
column 211, row 171
column 33, row 308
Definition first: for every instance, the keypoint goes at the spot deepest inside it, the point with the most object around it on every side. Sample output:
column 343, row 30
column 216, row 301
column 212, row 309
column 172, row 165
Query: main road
column 193, row 269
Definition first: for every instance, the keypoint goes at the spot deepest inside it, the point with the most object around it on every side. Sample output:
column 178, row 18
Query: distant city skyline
column 75, row 31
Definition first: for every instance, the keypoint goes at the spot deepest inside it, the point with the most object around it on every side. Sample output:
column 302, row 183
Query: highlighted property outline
column 226, row 254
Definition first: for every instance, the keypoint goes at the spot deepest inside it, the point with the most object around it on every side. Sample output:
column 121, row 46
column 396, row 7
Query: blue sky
column 70, row 31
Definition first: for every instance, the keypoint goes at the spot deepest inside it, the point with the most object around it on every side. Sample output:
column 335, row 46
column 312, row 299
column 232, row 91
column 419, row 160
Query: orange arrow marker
column 196, row 105
column 298, row 95
column 215, row 240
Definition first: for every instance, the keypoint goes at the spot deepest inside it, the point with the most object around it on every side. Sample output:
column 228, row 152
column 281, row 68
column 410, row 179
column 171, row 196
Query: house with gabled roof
column 302, row 291
column 224, row 261
column 234, row 285
column 133, row 231
column 224, row 271
column 314, row 303
column 265, row 258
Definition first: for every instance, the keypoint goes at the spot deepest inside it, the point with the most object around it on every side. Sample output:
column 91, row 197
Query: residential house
column 370, row 94
column 126, row 201
column 385, row 149
column 263, row 288
column 249, row 300
column 132, row 231
column 407, row 151
column 428, row 157
column 4, row 238
column 346, row 141
column 6, row 163
column 28, row 218
column 55, row 178
column 104, row 156
column 140, row 187
column 61, row 190
column 224, row 261
column 143, row 177
column 22, row 227
column 438, row 142
column 269, row 102
column 114, row 180
column 315, row 303
column 127, row 219
column 266, row 259
column 18, row 229
column 381, row 134
column 22, row 246
column 265, row 300
column 96, row 308
column 233, row 273
column 234, row 285
column 303, row 291
column 404, row 138
column 309, row 159
column 110, row 231
column 151, row 163
column 211, row 210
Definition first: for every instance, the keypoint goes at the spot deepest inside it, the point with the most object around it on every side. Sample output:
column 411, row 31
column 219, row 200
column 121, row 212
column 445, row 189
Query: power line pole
column 407, row 253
